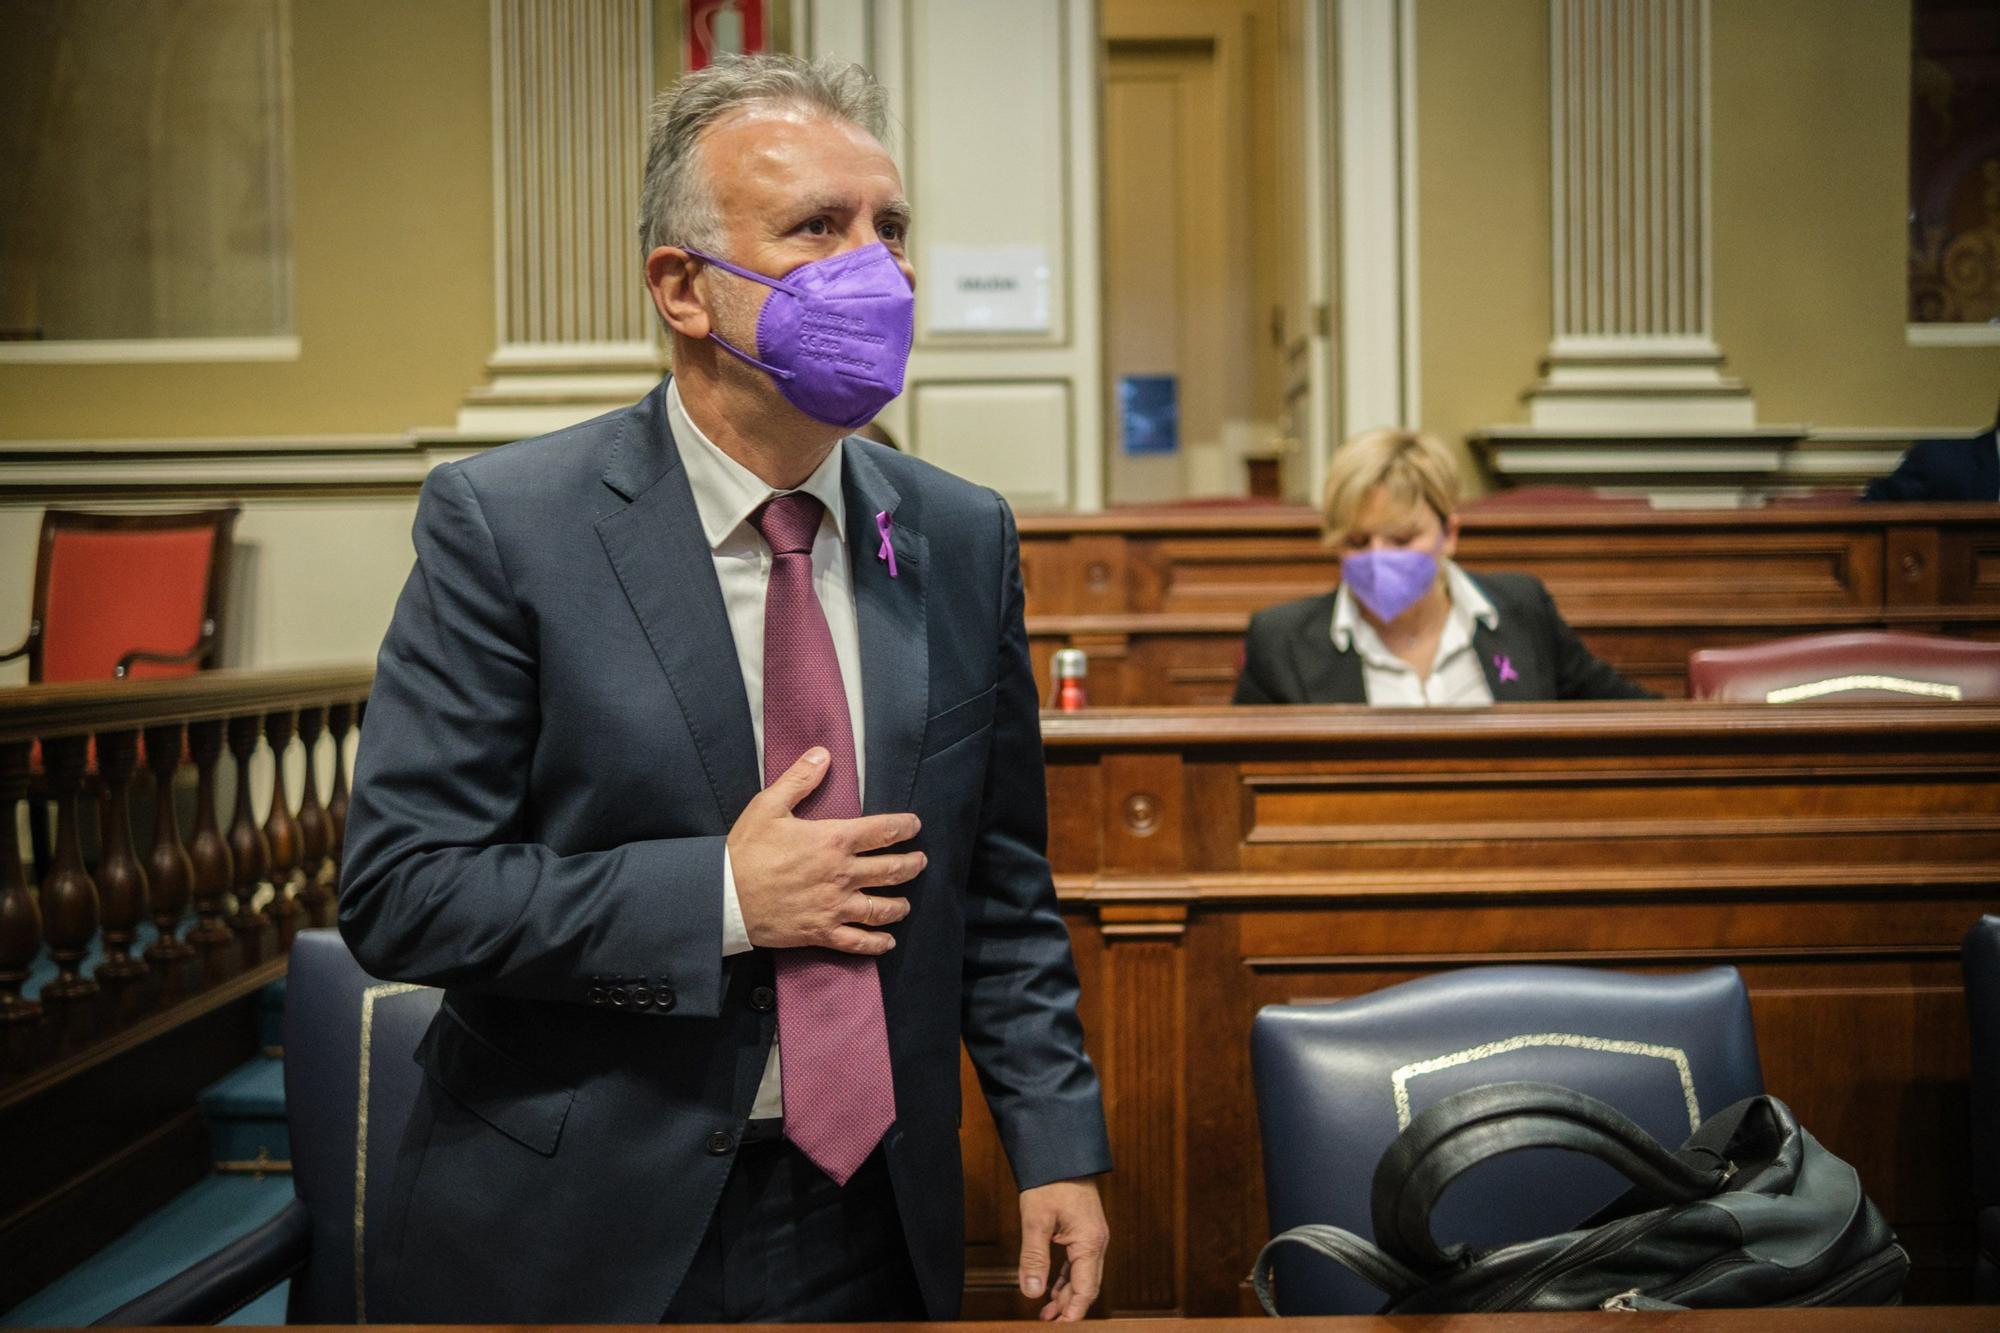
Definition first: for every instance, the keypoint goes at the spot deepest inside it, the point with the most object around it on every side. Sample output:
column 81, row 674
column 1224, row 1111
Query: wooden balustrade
column 221, row 907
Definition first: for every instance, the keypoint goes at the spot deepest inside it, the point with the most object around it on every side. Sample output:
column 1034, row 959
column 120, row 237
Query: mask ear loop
column 775, row 284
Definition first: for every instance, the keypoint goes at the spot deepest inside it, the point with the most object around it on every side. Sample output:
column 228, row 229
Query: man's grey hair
column 676, row 202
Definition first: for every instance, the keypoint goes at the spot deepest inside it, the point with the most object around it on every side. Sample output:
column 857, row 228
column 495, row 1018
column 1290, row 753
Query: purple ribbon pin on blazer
column 888, row 550
column 1506, row 665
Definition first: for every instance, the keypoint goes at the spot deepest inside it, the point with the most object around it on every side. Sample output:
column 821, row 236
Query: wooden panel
column 1166, row 594
column 1834, row 855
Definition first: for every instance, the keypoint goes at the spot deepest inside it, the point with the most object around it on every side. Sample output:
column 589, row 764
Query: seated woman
column 1406, row 626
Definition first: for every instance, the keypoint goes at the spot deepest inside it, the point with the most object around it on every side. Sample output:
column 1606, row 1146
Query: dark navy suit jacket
column 1289, row 657
column 1943, row 470
column 557, row 745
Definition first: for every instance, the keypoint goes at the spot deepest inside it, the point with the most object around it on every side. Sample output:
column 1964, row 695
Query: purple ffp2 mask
column 835, row 333
column 1389, row 582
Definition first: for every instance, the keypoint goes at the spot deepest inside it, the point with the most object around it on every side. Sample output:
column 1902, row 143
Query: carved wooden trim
column 1551, row 727
column 1117, row 921
column 32, row 712
column 1210, row 892
column 1414, row 962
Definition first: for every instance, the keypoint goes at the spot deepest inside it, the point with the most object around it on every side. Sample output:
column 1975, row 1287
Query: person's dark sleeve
column 1908, row 483
column 1580, row 673
column 1020, row 1000
column 1253, row 683
column 441, row 882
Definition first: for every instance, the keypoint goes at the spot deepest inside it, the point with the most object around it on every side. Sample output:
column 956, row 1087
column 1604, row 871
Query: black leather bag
column 1751, row 1211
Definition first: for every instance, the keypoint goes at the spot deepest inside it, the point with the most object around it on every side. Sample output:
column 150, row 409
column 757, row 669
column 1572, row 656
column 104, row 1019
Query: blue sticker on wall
column 1149, row 414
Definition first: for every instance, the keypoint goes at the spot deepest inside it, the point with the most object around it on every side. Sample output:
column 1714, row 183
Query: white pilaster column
column 571, row 84
column 1633, row 346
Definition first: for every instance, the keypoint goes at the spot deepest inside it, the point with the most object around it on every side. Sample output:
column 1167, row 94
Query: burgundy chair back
column 139, row 591
column 1860, row 664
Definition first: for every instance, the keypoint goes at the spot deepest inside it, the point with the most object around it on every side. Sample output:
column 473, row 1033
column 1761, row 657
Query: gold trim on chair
column 1610, row 1046
column 368, row 998
column 1815, row 689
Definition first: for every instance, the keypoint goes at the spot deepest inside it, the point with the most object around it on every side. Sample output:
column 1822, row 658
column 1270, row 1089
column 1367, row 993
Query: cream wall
column 1810, row 105
column 392, row 171
column 1811, row 187
column 1482, row 209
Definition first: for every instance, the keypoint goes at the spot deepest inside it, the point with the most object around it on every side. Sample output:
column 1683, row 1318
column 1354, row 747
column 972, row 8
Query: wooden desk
column 1930, row 1319
column 1215, row 861
column 1159, row 598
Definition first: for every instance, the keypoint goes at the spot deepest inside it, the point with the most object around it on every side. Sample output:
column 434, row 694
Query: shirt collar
column 1468, row 605
column 726, row 493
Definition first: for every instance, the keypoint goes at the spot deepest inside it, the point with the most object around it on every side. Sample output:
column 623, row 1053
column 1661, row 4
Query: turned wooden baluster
column 281, row 831
column 121, row 880
column 69, row 899
column 339, row 718
column 247, row 848
column 214, row 871
column 20, row 918
column 169, row 870
column 314, row 826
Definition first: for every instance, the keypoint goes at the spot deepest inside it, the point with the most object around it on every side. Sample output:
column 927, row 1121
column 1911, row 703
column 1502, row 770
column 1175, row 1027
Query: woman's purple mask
column 1389, row 581
column 835, row 333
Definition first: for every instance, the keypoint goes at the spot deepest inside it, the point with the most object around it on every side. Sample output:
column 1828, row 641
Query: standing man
column 703, row 772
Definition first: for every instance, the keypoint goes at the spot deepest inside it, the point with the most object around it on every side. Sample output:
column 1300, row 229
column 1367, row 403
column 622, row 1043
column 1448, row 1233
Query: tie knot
column 788, row 522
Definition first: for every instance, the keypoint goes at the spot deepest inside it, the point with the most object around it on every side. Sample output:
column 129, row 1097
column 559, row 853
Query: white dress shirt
column 1456, row 679
column 725, row 495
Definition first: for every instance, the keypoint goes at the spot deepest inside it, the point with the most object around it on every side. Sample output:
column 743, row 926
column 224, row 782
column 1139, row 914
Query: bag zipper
column 1633, row 1300
column 1831, row 1293
column 1605, row 1238
column 1689, row 1281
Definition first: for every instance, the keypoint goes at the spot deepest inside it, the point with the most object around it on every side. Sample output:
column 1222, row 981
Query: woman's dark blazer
column 1533, row 655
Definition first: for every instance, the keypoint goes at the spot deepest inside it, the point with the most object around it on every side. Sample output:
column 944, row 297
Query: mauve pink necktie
column 839, row 1095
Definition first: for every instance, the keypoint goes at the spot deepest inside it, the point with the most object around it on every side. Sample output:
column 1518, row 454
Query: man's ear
column 1450, row 537
column 670, row 274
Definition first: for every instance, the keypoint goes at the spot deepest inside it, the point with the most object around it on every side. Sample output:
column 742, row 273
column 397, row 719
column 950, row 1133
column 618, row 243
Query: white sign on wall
column 986, row 288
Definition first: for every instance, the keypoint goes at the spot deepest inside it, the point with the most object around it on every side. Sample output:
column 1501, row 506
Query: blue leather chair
column 1982, row 999
column 1337, row 1082
column 350, row 1082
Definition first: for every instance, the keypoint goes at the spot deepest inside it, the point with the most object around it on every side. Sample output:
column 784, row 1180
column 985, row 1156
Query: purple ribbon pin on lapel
column 1506, row 665
column 888, row 550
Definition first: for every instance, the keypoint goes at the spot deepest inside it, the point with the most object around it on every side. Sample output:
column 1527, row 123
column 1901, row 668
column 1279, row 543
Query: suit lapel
column 1326, row 675
column 1504, row 664
column 662, row 559
column 895, row 638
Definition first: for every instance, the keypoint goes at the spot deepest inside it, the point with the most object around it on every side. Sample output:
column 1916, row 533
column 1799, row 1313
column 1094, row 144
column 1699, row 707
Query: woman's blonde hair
column 1409, row 468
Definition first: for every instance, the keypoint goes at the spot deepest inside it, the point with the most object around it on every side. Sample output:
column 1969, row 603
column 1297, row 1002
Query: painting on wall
column 144, row 174
column 1955, row 162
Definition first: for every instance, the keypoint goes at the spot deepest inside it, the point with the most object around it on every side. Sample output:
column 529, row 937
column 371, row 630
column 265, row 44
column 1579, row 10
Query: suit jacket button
column 763, row 999
column 641, row 997
column 720, row 1142
column 663, row 998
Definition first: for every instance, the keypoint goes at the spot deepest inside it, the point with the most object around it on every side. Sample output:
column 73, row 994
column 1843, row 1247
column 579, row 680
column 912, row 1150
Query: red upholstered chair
column 122, row 595
column 127, row 594
column 1864, row 664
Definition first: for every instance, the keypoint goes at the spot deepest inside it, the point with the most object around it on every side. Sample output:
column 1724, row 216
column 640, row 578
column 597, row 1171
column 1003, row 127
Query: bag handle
column 1469, row 1127
column 1358, row 1256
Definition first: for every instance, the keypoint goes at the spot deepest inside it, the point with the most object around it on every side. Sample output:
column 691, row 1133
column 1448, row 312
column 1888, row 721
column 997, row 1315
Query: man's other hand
column 1070, row 1214
column 804, row 882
